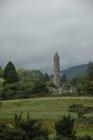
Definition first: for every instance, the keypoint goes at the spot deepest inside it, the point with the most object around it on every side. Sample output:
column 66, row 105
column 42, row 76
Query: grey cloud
column 31, row 31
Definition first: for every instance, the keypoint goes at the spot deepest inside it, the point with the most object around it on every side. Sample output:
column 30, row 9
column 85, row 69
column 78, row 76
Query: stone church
column 62, row 88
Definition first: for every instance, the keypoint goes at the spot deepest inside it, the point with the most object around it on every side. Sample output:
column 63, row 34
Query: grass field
column 47, row 109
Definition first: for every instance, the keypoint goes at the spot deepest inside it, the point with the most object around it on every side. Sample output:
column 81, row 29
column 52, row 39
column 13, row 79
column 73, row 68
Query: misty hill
column 76, row 71
column 72, row 72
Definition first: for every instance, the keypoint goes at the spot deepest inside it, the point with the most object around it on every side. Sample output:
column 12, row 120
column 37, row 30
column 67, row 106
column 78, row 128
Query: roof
column 56, row 55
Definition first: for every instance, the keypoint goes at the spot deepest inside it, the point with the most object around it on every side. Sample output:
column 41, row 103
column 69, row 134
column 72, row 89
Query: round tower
column 56, row 71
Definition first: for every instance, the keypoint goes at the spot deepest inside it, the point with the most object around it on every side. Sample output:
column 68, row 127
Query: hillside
column 76, row 71
column 72, row 72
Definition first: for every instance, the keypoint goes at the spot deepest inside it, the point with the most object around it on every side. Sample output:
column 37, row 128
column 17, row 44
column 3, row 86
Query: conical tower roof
column 56, row 55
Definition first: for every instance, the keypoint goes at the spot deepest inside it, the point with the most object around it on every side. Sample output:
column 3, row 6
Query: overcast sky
column 31, row 31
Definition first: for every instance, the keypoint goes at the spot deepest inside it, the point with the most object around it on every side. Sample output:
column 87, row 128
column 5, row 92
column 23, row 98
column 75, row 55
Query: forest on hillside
column 25, row 83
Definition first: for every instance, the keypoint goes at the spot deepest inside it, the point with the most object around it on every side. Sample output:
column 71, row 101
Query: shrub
column 33, row 128
column 11, row 133
column 0, row 103
column 80, row 109
column 65, row 128
column 39, row 138
column 9, row 90
column 22, row 90
column 85, row 138
column 23, row 130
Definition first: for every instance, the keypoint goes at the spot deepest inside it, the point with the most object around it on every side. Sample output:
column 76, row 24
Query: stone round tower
column 56, row 71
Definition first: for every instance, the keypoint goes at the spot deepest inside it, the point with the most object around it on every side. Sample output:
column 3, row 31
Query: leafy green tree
column 9, row 91
column 16, row 90
column 46, row 77
column 90, row 71
column 31, row 76
column 81, row 84
column 25, row 75
column 37, row 76
column 39, row 87
column 63, row 78
column 10, row 75
column 90, row 88
column 1, row 72
column 90, row 79
column 22, row 90
column 74, row 81
column 50, row 83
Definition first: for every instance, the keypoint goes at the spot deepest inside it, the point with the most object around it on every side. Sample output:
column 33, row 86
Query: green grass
column 47, row 109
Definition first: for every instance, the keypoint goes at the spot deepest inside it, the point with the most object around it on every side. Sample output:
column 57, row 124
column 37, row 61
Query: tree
column 74, row 81
column 63, row 78
column 90, row 71
column 37, row 76
column 46, row 77
column 39, row 87
column 65, row 128
column 90, row 78
column 10, row 75
column 1, row 72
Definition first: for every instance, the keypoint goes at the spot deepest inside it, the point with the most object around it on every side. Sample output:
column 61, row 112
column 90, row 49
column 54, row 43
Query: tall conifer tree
column 10, row 75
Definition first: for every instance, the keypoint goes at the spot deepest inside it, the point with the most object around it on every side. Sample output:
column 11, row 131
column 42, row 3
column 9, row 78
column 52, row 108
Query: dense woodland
column 25, row 83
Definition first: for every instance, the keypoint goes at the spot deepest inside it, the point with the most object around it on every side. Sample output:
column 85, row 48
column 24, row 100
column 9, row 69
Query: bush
column 39, row 87
column 50, row 83
column 22, row 90
column 23, row 130
column 0, row 103
column 80, row 109
column 33, row 128
column 65, row 128
column 11, row 133
column 90, row 88
column 39, row 138
column 85, row 138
